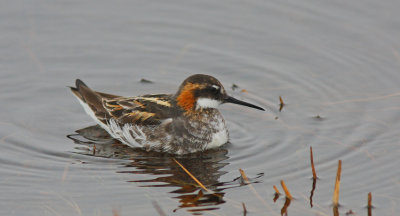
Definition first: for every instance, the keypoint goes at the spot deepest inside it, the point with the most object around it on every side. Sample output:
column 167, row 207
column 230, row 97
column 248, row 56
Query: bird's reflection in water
column 164, row 171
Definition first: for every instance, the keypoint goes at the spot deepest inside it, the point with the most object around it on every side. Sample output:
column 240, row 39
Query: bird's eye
column 214, row 89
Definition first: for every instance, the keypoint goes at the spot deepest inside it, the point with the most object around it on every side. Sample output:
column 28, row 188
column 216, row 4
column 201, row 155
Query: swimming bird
column 185, row 122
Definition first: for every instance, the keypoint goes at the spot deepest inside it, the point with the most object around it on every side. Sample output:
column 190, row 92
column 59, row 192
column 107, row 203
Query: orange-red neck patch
column 186, row 98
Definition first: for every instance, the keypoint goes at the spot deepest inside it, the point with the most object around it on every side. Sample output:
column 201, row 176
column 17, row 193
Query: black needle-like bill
column 230, row 99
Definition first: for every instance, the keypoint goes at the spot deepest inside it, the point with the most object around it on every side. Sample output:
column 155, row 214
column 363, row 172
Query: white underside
column 218, row 139
column 126, row 134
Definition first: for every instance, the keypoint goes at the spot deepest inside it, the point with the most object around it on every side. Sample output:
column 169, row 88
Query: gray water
column 335, row 64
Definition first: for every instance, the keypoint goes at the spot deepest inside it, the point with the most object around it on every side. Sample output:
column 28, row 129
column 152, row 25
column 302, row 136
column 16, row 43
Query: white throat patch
column 207, row 103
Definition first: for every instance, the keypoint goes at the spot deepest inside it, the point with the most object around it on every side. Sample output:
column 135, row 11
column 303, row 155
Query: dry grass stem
column 192, row 176
column 335, row 198
column 287, row 193
column 312, row 164
column 244, row 177
column 276, row 190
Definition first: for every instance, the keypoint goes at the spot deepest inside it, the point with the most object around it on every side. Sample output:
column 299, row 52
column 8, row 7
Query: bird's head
column 203, row 91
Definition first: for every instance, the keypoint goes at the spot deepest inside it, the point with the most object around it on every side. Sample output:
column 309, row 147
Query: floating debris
column 244, row 91
column 335, row 198
column 281, row 104
column 234, row 87
column 318, row 117
column 146, row 81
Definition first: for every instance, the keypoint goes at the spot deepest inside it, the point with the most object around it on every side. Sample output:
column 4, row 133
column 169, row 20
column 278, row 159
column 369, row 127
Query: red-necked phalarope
column 180, row 123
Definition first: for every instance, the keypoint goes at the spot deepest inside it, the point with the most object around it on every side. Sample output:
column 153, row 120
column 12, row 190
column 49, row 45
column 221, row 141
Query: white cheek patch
column 207, row 103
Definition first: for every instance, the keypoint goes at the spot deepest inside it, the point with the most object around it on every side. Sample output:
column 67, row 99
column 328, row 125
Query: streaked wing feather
column 146, row 109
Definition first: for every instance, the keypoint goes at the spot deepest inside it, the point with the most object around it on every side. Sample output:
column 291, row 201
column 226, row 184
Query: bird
column 185, row 122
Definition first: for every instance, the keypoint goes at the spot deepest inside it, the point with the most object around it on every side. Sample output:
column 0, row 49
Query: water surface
column 335, row 64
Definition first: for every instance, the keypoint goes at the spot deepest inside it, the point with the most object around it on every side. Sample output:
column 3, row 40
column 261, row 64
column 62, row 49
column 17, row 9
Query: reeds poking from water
column 277, row 194
column 287, row 193
column 335, row 198
column 276, row 190
column 314, row 176
column 285, row 206
column 244, row 209
column 369, row 205
column 369, row 200
column 335, row 211
column 312, row 164
column 115, row 212
column 244, row 177
column 192, row 176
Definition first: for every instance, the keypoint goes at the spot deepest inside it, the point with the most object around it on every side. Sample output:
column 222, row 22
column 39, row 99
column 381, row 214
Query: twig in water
column 312, row 164
column 276, row 190
column 244, row 209
column 285, row 206
column 287, row 193
column 335, row 211
column 369, row 204
column 369, row 200
column 335, row 198
column 312, row 191
column 244, row 177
